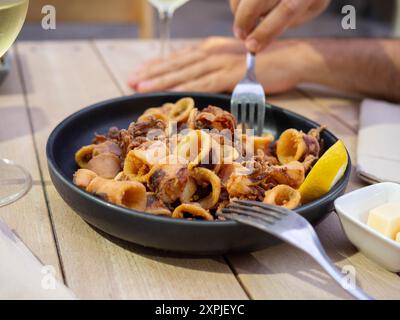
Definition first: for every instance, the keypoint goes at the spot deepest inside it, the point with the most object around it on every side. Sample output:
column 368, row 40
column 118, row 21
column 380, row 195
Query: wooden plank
column 116, row 269
column 123, row 57
column 28, row 217
column 62, row 78
column 345, row 109
column 282, row 272
column 56, row 88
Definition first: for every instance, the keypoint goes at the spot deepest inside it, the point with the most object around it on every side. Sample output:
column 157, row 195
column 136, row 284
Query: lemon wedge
column 326, row 172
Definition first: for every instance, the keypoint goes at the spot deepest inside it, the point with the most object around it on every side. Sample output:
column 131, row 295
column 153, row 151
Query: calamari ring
column 193, row 209
column 191, row 122
column 152, row 152
column 194, row 147
column 106, row 165
column 83, row 155
column 107, row 147
column 227, row 170
column 290, row 146
column 291, row 174
column 120, row 176
column 283, row 196
column 181, row 110
column 262, row 143
column 253, row 144
column 188, row 191
column 168, row 181
column 229, row 154
column 205, row 176
column 83, row 177
column 213, row 161
column 136, row 167
column 156, row 206
column 153, row 112
column 129, row 194
column 166, row 108
column 294, row 145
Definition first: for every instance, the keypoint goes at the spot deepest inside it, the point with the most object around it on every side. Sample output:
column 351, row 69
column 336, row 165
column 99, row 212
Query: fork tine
column 249, row 93
column 258, row 210
column 255, row 222
column 260, row 118
column 243, row 113
column 263, row 205
column 252, row 115
column 235, row 110
column 247, row 214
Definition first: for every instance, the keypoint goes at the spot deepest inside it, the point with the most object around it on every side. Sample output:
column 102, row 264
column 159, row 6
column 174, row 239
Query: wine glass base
column 15, row 182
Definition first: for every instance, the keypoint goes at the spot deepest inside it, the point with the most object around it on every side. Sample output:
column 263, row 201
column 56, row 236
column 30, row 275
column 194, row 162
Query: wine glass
column 15, row 181
column 166, row 9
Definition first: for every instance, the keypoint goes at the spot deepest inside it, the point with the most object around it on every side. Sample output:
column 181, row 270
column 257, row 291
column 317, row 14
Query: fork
column 249, row 97
column 290, row 227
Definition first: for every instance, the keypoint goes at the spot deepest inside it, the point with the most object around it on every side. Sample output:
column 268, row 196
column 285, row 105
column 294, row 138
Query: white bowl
column 353, row 209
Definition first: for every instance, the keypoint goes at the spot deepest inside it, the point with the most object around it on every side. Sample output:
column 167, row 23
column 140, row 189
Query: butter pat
column 386, row 219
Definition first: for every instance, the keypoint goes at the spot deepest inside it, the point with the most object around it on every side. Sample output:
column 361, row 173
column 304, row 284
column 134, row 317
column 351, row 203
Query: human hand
column 218, row 64
column 259, row 22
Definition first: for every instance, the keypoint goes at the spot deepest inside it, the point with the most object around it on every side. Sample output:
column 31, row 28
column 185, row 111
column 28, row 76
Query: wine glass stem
column 165, row 31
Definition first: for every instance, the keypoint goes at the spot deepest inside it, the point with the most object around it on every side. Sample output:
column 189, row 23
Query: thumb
column 275, row 23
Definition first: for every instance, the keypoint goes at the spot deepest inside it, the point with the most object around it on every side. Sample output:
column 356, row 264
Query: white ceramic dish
column 353, row 209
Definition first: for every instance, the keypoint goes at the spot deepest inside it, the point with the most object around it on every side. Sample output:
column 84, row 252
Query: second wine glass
column 166, row 10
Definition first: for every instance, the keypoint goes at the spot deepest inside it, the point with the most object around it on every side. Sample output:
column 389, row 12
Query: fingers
column 234, row 4
column 180, row 76
column 223, row 79
column 247, row 15
column 213, row 82
column 315, row 9
column 220, row 45
column 176, row 62
column 275, row 23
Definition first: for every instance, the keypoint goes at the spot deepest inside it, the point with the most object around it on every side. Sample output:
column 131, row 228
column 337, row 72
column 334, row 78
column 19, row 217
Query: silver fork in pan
column 248, row 98
column 290, row 227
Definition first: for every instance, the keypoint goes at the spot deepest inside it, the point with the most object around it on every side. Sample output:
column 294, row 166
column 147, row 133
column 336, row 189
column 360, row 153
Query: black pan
column 196, row 237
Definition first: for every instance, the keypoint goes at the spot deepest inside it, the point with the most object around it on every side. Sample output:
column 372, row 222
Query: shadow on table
column 177, row 259
column 15, row 122
column 261, row 262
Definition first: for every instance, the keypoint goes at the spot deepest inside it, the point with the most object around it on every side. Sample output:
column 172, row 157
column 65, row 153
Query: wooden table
column 50, row 80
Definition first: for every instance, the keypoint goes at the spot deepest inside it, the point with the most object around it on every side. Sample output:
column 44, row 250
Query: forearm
column 369, row 67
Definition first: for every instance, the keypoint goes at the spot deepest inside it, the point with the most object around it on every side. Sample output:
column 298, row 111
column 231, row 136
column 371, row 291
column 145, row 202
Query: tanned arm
column 369, row 67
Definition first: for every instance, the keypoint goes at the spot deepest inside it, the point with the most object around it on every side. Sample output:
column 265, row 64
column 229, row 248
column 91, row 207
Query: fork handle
column 251, row 66
column 325, row 262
